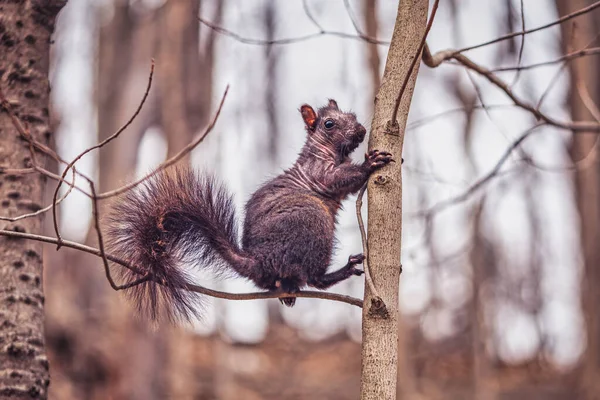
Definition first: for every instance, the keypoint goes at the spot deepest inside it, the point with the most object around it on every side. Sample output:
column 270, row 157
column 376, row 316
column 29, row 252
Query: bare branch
column 100, row 145
column 539, row 28
column 435, row 60
column 96, row 216
column 481, row 182
column 522, row 47
column 24, row 133
column 310, row 36
column 41, row 210
column 566, row 57
column 431, row 118
column 311, row 16
column 414, row 62
column 553, row 82
column 171, row 160
column 365, row 245
column 193, row 288
column 352, row 18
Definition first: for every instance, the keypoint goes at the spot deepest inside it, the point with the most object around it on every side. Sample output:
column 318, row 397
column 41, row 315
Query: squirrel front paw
column 356, row 260
column 376, row 159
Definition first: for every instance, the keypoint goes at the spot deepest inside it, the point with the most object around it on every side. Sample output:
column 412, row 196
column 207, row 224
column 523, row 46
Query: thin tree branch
column 522, row 47
column 352, row 18
column 171, row 160
column 553, row 82
column 539, row 28
column 365, row 245
column 566, row 57
column 413, row 63
column 41, row 210
column 96, row 216
column 311, row 16
column 26, row 135
column 310, row 36
column 481, row 182
column 193, row 288
column 431, row 118
column 98, row 146
column 435, row 60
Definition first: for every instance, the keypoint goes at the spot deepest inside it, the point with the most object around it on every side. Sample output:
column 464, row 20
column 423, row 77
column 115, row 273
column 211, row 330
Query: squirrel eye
column 329, row 124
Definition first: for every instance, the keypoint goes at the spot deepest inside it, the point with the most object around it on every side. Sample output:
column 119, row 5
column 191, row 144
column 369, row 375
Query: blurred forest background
column 501, row 266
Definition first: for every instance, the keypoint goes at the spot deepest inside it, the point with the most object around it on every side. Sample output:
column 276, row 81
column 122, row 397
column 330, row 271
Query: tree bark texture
column 25, row 31
column 584, row 76
column 380, row 330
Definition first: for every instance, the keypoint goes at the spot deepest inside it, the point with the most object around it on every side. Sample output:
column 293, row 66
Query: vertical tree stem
column 380, row 325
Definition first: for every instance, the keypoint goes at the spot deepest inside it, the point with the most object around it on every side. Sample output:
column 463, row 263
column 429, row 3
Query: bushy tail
column 174, row 219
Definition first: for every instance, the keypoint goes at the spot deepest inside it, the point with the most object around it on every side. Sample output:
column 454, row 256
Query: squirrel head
column 332, row 129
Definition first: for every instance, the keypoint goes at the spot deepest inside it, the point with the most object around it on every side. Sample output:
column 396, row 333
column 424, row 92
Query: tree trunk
column 25, row 30
column 584, row 72
column 372, row 30
column 380, row 330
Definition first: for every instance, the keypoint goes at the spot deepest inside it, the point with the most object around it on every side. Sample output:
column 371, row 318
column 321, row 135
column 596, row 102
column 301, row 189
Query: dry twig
column 192, row 288
column 481, row 182
column 567, row 17
column 98, row 146
column 191, row 146
column 435, row 60
column 414, row 62
column 262, row 42
column 365, row 245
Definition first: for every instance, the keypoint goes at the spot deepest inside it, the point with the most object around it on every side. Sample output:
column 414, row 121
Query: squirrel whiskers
column 181, row 217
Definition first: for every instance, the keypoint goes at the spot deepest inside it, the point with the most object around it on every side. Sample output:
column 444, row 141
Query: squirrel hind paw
column 287, row 286
column 288, row 301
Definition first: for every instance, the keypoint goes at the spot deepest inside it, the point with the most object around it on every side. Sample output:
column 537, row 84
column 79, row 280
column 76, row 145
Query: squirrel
column 182, row 216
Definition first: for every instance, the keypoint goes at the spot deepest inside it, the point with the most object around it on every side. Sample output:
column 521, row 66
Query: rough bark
column 25, row 30
column 380, row 330
column 584, row 71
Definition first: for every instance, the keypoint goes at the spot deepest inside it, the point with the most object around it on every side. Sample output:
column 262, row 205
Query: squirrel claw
column 376, row 159
column 356, row 259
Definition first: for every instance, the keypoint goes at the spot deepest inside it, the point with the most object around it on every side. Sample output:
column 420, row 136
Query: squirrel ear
column 309, row 116
column 333, row 104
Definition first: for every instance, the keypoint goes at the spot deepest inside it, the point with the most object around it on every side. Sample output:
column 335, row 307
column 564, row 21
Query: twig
column 522, row 47
column 414, row 62
column 566, row 57
column 365, row 245
column 41, row 210
column 96, row 216
column 428, row 119
column 481, row 182
column 33, row 144
column 435, row 60
column 192, row 288
column 310, row 36
column 539, row 28
column 352, row 18
column 26, row 135
column 550, row 86
column 171, row 160
column 99, row 145
column 16, row 171
column 311, row 16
